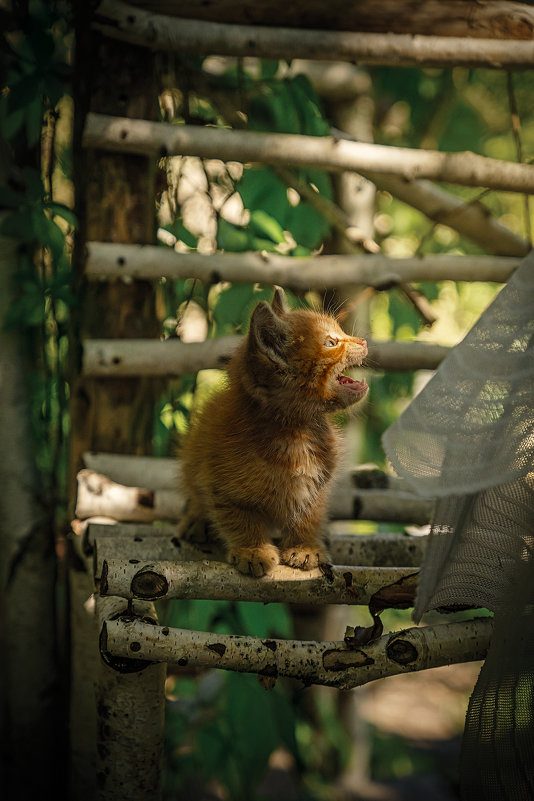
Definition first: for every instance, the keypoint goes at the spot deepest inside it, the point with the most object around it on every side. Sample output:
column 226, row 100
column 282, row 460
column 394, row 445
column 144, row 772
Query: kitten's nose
column 363, row 344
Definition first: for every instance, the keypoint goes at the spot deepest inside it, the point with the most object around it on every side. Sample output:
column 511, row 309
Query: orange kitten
column 260, row 456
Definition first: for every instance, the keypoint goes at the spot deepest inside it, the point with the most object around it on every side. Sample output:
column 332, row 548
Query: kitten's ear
column 268, row 333
column 279, row 302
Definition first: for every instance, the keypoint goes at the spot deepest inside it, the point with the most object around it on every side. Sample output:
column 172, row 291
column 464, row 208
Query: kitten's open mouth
column 359, row 387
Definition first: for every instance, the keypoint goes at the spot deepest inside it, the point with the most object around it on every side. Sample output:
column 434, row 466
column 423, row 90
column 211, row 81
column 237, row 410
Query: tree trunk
column 115, row 204
column 28, row 668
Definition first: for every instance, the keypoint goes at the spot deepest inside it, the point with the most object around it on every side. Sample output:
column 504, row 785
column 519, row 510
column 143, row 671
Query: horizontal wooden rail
column 97, row 495
column 335, row 663
column 115, row 358
column 373, row 550
column 163, row 473
column 109, row 260
column 160, row 32
column 219, row 581
column 159, row 139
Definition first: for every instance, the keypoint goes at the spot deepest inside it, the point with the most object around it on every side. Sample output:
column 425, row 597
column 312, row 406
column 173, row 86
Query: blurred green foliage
column 36, row 78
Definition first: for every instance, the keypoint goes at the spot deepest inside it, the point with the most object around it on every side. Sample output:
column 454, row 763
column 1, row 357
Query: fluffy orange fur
column 260, row 456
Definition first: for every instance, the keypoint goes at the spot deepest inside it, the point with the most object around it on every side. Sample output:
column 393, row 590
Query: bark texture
column 222, row 582
column 335, row 664
column 147, row 138
column 29, row 696
column 162, row 32
column 473, row 18
column 115, row 358
column 111, row 261
column 98, row 496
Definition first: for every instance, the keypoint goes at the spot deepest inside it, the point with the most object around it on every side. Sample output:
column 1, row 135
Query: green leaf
column 183, row 234
column 268, row 68
column 213, row 747
column 272, row 620
column 273, row 109
column 48, row 233
column 262, row 223
column 248, row 701
column 260, row 188
column 232, row 237
column 307, row 105
column 62, row 211
column 308, row 227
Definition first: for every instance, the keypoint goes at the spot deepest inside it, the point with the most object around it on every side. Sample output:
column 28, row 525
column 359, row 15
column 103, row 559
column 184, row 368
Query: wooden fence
column 125, row 552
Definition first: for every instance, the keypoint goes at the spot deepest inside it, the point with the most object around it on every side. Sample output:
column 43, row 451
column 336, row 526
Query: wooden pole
column 145, row 357
column 156, row 139
column 111, row 261
column 219, row 581
column 331, row 663
column 161, row 32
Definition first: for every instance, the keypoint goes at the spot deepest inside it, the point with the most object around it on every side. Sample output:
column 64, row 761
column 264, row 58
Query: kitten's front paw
column 255, row 561
column 303, row 558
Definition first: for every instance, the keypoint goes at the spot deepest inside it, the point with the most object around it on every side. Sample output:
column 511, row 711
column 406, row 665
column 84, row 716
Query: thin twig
column 516, row 133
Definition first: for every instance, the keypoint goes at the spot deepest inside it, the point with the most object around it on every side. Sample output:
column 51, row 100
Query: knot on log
column 149, row 585
column 401, row 651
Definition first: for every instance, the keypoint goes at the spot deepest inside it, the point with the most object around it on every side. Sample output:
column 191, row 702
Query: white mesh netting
column 468, row 440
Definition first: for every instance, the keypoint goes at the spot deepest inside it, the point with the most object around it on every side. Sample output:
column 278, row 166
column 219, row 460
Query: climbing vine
column 35, row 211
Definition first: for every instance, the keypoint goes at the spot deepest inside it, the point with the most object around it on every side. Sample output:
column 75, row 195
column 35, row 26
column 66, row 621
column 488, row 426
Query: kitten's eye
column 330, row 342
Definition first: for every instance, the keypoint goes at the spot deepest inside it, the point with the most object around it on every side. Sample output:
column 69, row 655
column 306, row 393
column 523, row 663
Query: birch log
column 110, row 260
column 470, row 219
column 332, row 663
column 130, row 718
column 150, row 357
column 98, row 496
column 161, row 32
column 495, row 19
column 83, row 668
column 384, row 550
column 157, row 472
column 157, row 139
column 163, row 473
column 218, row 581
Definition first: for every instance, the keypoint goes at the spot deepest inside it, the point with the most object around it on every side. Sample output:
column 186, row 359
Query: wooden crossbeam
column 114, row 358
column 161, row 32
column 159, row 139
column 110, row 260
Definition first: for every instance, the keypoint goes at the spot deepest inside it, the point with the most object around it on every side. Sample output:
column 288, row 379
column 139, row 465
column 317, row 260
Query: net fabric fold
column 467, row 440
